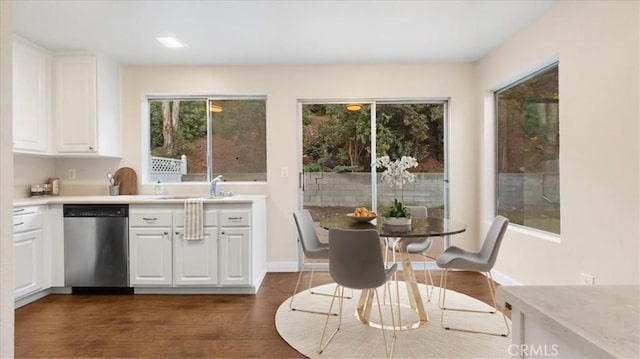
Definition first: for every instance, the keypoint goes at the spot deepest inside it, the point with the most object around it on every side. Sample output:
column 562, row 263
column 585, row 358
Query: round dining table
column 420, row 227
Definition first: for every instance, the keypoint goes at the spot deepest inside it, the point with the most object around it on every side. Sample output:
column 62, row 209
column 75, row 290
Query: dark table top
column 420, row 227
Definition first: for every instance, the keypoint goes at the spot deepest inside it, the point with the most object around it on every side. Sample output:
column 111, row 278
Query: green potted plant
column 397, row 214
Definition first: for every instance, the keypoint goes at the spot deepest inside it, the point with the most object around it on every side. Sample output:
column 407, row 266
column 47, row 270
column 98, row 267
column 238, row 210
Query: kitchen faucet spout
column 213, row 186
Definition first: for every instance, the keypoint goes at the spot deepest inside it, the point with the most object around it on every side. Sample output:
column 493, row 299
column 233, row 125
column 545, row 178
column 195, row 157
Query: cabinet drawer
column 210, row 218
column 27, row 222
column 235, row 218
column 150, row 219
column 25, row 210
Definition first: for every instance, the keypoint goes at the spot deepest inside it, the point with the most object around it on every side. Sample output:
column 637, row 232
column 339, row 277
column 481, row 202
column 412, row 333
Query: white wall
column 6, row 187
column 28, row 171
column 597, row 44
column 284, row 86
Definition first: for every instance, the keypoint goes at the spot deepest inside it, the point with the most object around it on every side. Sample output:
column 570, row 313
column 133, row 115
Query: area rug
column 355, row 340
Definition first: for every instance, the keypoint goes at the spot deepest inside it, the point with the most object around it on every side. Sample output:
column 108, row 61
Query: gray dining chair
column 312, row 248
column 482, row 261
column 355, row 261
column 418, row 246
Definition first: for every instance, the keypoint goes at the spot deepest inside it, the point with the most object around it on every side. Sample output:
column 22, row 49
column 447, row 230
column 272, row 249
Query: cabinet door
column 196, row 262
column 74, row 103
column 31, row 97
column 235, row 256
column 150, row 256
column 28, row 258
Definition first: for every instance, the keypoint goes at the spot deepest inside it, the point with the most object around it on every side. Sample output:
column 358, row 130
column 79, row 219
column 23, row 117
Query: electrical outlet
column 587, row 279
column 284, row 172
column 71, row 174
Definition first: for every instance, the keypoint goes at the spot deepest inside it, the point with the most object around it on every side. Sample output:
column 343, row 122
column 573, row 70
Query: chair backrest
column 355, row 258
column 491, row 244
column 418, row 211
column 306, row 231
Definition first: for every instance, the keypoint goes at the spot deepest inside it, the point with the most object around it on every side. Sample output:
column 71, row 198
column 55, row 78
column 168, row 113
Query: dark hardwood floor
column 174, row 326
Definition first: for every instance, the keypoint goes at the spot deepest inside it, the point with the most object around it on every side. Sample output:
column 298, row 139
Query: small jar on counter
column 36, row 190
column 55, row 186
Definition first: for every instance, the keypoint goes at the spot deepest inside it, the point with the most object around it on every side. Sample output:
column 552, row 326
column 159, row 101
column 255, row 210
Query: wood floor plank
column 174, row 326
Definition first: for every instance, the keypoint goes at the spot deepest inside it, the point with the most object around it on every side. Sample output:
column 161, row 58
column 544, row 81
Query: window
column 195, row 139
column 528, row 147
column 341, row 140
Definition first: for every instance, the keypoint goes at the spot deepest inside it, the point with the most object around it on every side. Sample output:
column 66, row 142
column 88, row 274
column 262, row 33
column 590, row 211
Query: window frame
column 207, row 98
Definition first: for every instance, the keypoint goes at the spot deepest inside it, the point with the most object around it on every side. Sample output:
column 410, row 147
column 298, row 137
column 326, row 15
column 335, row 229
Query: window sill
column 518, row 228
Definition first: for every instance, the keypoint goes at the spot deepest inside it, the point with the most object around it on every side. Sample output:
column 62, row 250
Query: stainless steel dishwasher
column 96, row 245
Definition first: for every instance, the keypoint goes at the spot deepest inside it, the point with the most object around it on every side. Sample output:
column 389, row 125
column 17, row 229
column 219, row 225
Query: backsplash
column 90, row 174
column 91, row 178
column 28, row 171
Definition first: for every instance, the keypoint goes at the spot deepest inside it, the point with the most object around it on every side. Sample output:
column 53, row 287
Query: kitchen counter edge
column 135, row 199
column 582, row 315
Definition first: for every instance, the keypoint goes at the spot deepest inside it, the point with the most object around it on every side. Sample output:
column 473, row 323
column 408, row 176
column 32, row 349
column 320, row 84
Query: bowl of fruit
column 362, row 214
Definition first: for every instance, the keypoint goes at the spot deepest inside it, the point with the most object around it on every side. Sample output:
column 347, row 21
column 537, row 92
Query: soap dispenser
column 160, row 189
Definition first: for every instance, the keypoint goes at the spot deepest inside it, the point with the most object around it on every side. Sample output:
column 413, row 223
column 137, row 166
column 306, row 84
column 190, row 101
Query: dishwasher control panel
column 96, row 210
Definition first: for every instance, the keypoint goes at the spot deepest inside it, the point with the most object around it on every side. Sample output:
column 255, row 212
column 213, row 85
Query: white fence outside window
column 168, row 169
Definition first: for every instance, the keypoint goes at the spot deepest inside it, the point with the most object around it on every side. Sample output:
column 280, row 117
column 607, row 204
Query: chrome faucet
column 213, row 186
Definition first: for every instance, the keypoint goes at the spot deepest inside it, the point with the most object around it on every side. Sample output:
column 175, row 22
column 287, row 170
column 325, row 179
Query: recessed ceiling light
column 170, row 42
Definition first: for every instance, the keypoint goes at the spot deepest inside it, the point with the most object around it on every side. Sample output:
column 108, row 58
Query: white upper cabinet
column 74, row 104
column 65, row 104
column 31, row 97
column 86, row 105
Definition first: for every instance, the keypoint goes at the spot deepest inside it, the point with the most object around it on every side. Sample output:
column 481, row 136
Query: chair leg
column 389, row 353
column 428, row 292
column 441, row 302
column 492, row 289
column 322, row 346
column 443, row 288
column 319, row 293
column 295, row 291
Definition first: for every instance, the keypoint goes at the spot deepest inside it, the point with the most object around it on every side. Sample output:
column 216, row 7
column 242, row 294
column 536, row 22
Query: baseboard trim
column 194, row 290
column 503, row 279
column 282, row 266
column 31, row 298
column 500, row 278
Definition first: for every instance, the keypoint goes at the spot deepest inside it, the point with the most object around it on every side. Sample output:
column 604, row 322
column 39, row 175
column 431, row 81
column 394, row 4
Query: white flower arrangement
column 395, row 173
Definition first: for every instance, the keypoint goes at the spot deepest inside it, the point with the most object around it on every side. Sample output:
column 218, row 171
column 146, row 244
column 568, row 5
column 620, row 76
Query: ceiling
column 276, row 32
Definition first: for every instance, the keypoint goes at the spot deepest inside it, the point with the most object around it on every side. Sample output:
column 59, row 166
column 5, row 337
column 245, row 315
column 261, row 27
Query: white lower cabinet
column 235, row 246
column 28, row 248
column 195, row 261
column 150, row 256
column 150, row 246
column 28, row 256
column 235, row 250
column 160, row 256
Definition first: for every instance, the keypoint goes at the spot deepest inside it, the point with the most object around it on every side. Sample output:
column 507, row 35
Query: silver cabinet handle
column 18, row 210
column 18, row 224
column 234, row 218
column 149, row 219
column 166, row 233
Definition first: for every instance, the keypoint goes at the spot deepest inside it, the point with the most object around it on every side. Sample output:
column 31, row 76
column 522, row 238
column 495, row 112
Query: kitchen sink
column 224, row 195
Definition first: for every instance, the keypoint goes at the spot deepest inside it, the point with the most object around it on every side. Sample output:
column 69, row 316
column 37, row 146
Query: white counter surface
column 138, row 199
column 600, row 320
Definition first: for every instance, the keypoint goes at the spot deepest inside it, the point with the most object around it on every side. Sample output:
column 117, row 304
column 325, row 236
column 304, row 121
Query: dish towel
column 193, row 219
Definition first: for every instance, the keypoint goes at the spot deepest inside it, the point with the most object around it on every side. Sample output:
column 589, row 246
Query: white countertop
column 599, row 319
column 137, row 199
